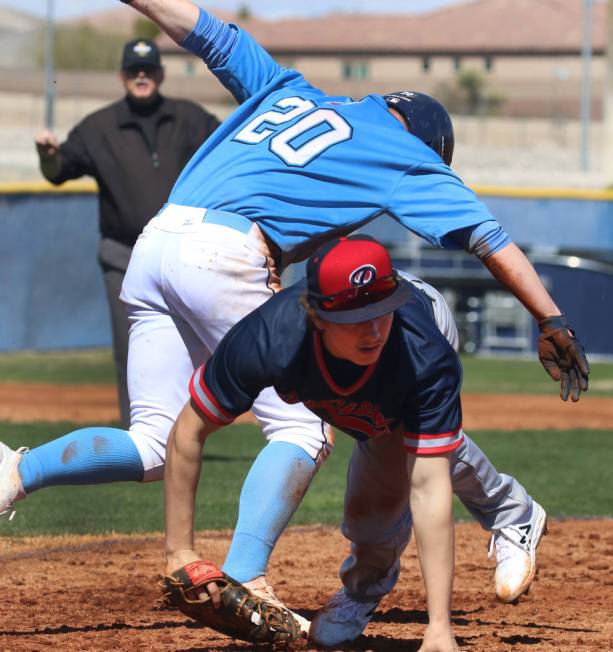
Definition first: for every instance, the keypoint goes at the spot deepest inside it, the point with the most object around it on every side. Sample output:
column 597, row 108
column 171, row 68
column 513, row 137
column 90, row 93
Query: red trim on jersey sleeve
column 445, row 438
column 197, row 382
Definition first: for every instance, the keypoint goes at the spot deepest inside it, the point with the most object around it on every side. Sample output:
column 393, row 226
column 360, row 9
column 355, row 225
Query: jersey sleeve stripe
column 433, row 444
column 205, row 401
column 439, row 436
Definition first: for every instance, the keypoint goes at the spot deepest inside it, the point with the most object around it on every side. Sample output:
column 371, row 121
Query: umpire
column 135, row 149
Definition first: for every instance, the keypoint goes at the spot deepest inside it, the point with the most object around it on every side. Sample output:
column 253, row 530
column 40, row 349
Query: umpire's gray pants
column 114, row 258
column 377, row 519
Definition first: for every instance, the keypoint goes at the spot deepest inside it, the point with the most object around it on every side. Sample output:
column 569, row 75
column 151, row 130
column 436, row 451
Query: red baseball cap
column 351, row 279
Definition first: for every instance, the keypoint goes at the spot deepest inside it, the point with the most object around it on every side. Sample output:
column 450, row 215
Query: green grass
column 512, row 376
column 483, row 375
column 89, row 366
column 568, row 472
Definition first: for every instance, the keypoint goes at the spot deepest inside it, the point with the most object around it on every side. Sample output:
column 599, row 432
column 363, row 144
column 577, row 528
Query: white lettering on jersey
column 251, row 136
column 338, row 130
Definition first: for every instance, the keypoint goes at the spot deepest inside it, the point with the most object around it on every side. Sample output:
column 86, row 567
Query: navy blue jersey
column 415, row 384
column 307, row 166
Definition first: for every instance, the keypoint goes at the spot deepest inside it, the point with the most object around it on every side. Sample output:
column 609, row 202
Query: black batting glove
column 563, row 357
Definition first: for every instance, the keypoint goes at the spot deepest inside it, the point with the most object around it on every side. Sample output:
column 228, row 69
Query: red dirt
column 92, row 593
column 97, row 403
column 95, row 593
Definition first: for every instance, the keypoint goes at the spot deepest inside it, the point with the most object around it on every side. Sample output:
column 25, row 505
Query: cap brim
column 371, row 311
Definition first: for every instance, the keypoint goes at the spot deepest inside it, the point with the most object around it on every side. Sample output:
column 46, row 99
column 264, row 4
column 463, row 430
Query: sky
column 268, row 8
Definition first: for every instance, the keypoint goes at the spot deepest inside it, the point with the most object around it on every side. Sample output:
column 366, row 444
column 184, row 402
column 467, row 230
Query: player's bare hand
column 47, row 144
column 563, row 357
column 439, row 639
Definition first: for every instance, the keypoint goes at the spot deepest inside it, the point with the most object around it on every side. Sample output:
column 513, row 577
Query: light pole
column 49, row 67
column 608, row 100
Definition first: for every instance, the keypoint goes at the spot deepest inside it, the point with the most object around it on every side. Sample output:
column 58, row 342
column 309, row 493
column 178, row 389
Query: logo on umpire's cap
column 142, row 49
column 363, row 275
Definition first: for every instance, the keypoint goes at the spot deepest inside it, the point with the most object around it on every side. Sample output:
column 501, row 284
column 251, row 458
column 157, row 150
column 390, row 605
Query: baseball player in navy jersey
column 290, row 168
column 362, row 348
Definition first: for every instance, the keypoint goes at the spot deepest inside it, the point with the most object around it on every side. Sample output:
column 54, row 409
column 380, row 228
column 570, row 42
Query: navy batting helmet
column 427, row 119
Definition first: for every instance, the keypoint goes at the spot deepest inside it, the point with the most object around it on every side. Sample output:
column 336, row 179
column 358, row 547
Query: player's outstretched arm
column 181, row 475
column 560, row 352
column 431, row 508
column 175, row 17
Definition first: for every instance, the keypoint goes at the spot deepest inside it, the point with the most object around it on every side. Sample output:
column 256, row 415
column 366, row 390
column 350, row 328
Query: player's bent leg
column 163, row 354
column 504, row 507
column 377, row 522
column 298, row 442
column 86, row 456
column 271, row 493
column 496, row 500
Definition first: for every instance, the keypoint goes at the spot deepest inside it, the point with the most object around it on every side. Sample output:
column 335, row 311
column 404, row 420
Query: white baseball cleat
column 516, row 554
column 11, row 489
column 262, row 589
column 341, row 620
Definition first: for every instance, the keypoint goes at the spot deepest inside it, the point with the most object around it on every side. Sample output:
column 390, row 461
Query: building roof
column 474, row 26
column 120, row 20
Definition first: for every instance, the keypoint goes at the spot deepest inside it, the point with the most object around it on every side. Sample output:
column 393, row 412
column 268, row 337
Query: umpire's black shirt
column 135, row 153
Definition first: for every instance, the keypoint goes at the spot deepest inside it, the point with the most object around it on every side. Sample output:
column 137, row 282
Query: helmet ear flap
column 427, row 119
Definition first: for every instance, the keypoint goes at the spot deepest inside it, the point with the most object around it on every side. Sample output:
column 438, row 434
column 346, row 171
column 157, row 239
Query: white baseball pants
column 193, row 274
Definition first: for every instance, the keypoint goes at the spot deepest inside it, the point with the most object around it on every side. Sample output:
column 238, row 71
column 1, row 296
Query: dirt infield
column 97, row 403
column 91, row 593
column 95, row 593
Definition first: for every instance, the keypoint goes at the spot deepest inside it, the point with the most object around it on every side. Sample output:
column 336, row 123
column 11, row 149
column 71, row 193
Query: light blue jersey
column 307, row 166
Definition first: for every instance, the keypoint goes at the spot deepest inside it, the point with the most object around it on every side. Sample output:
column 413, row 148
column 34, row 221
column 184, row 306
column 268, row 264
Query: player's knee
column 152, row 452
column 316, row 444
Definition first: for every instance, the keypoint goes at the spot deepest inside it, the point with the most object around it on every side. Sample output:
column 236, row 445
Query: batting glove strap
column 553, row 323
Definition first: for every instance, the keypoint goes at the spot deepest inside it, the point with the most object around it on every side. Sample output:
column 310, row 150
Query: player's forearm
column 181, row 475
column 431, row 508
column 175, row 17
column 516, row 273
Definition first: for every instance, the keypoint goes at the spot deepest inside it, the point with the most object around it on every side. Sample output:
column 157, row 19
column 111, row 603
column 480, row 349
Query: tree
column 84, row 48
column 468, row 95
column 145, row 28
column 243, row 12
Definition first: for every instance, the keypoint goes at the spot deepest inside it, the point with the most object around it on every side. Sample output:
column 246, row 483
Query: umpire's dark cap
column 140, row 53
column 351, row 280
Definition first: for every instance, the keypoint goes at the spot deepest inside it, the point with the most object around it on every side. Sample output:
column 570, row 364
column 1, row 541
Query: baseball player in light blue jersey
column 290, row 168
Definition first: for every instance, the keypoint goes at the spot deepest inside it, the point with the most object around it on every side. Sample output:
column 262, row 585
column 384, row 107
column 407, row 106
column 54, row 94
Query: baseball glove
column 563, row 357
column 241, row 615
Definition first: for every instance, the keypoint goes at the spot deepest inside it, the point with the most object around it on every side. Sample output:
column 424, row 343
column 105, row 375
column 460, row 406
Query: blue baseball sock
column 273, row 489
column 85, row 456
